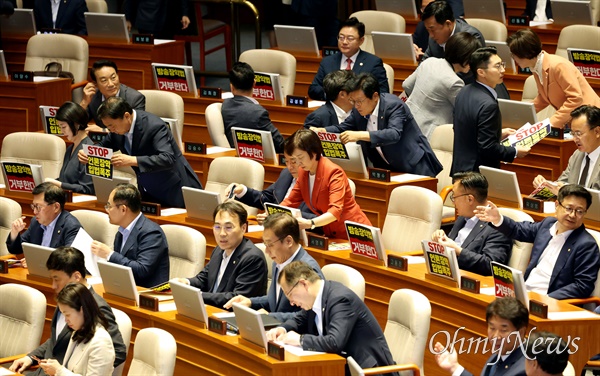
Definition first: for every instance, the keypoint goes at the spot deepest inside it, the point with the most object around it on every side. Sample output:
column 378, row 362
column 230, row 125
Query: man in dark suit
column 350, row 57
column 105, row 84
column 281, row 237
column 242, row 110
column 565, row 258
column 140, row 243
column 390, row 137
column 67, row 265
column 477, row 119
column 68, row 16
column 475, row 243
column 52, row 226
column 337, row 86
column 236, row 266
column 147, row 146
column 333, row 319
column 507, row 320
column 547, row 354
column 157, row 17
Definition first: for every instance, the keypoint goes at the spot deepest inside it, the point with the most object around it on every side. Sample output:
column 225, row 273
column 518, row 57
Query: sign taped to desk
column 178, row 78
column 99, row 161
column 48, row 114
column 21, row 177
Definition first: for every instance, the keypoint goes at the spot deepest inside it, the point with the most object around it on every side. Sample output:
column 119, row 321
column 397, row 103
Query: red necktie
column 349, row 62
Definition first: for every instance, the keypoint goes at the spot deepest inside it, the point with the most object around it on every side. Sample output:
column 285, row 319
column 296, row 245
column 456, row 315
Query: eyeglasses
column 578, row 134
column 453, row 197
column 227, row 228
column 357, row 103
column 38, row 207
column 569, row 210
column 108, row 206
column 349, row 38
column 293, row 287
column 269, row 245
column 501, row 64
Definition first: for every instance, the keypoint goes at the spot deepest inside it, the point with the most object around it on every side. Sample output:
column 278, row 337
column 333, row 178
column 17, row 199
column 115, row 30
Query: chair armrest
column 445, row 191
column 396, row 368
column 593, row 363
column 11, row 358
column 582, row 301
column 78, row 85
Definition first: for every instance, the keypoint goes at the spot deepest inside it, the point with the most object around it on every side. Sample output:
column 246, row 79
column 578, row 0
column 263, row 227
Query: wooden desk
column 198, row 350
column 20, row 102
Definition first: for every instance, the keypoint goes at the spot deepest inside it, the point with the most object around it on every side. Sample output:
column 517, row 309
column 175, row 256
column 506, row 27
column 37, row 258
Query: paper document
column 83, row 242
column 297, row 350
column 4, row 371
column 224, row 314
column 407, row 177
column 162, row 41
column 217, row 149
column 255, row 228
column 415, row 259
column 43, row 78
column 227, row 94
column 529, row 134
column 573, row 315
column 171, row 211
column 83, row 198
column 313, row 104
column 166, row 306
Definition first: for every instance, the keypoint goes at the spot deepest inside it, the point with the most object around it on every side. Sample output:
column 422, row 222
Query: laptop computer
column 297, row 39
column 356, row 163
column 516, row 113
column 103, row 187
column 118, row 280
column 503, row 185
column 405, row 8
column 200, row 203
column 106, row 27
column 189, row 302
column 3, row 69
column 394, row 46
column 250, row 324
column 571, row 12
column 505, row 55
column 19, row 24
column 36, row 256
column 486, row 9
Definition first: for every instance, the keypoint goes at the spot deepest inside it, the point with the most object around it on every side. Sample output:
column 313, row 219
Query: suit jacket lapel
column 138, row 132
column 131, row 239
column 479, row 226
column 62, row 6
column 213, row 267
column 317, row 185
column 235, row 258
column 565, row 253
column 326, row 288
column 60, row 222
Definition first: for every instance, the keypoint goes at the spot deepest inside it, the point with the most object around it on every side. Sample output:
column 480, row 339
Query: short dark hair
column 241, row 76
column 68, row 260
column 441, row 10
column 591, row 113
column 337, row 81
column 79, row 297
column 233, row 208
column 574, row 190
column 549, row 350
column 128, row 195
column 473, row 182
column 295, row 270
column 74, row 115
column 510, row 309
column 481, row 58
column 460, row 47
column 524, row 44
column 282, row 225
column 114, row 108
column 367, row 83
column 305, row 140
column 52, row 193
column 354, row 23
column 101, row 64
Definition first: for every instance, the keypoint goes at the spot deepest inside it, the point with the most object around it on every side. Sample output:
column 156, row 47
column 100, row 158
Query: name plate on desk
column 328, row 51
column 3, row 267
column 217, row 325
column 22, row 76
column 317, row 241
column 296, row 101
column 538, row 309
column 518, row 20
column 523, row 70
column 470, row 284
column 398, row 262
column 143, row 39
column 151, row 208
column 68, row 195
column 149, row 302
column 556, row 133
column 379, row 174
column 210, row 92
column 533, row 204
column 275, row 351
column 281, row 159
column 195, row 148
column 97, row 136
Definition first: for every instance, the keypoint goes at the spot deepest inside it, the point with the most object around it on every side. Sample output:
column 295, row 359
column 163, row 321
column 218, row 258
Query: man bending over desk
column 337, row 86
column 565, row 258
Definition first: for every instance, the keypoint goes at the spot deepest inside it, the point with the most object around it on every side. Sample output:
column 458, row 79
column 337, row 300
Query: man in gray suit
column 105, row 84
column 584, row 166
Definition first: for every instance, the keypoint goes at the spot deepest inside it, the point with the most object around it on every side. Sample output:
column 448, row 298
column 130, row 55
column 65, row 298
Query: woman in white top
column 90, row 351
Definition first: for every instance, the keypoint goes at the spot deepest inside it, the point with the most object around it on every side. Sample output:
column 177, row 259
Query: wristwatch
column 312, row 224
column 301, row 340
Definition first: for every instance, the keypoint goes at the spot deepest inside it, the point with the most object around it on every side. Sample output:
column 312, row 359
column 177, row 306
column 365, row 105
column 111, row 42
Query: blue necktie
column 127, row 145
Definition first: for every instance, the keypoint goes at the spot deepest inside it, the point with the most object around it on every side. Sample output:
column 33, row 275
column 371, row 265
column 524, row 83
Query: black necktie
column 584, row 173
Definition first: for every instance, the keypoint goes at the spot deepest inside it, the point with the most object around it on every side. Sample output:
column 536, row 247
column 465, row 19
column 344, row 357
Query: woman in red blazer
column 322, row 185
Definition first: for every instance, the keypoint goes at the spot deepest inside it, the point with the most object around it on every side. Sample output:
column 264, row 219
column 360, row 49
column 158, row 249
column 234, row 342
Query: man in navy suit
column 547, row 354
column 140, row 243
column 66, row 15
column 507, row 320
column 52, row 226
column 281, row 237
column 147, row 146
column 475, row 243
column 350, row 57
column 236, row 266
column 337, row 86
column 333, row 319
column 565, row 258
column 385, row 128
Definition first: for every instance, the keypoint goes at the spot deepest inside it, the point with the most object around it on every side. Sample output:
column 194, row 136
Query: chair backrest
column 97, row 6
column 389, row 72
column 521, row 251
column 490, row 29
column 263, row 248
column 442, row 144
column 22, row 316
column 569, row 370
column 166, row 104
column 596, row 235
column 97, row 225
column 377, row 20
column 407, row 327
column 154, row 353
column 125, row 172
column 529, row 90
column 216, row 127
column 124, row 323
column 226, row 170
column 352, row 187
column 9, row 211
column 273, row 61
column 187, row 250
column 572, row 37
column 42, row 149
column 413, row 214
column 347, row 276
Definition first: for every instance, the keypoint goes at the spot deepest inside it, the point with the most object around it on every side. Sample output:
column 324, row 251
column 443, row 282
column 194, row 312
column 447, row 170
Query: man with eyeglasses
column 105, row 84
column 350, row 57
column 52, row 226
column 333, row 319
column 140, row 243
column 477, row 119
column 565, row 258
column 475, row 243
column 281, row 237
column 236, row 266
column 584, row 166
